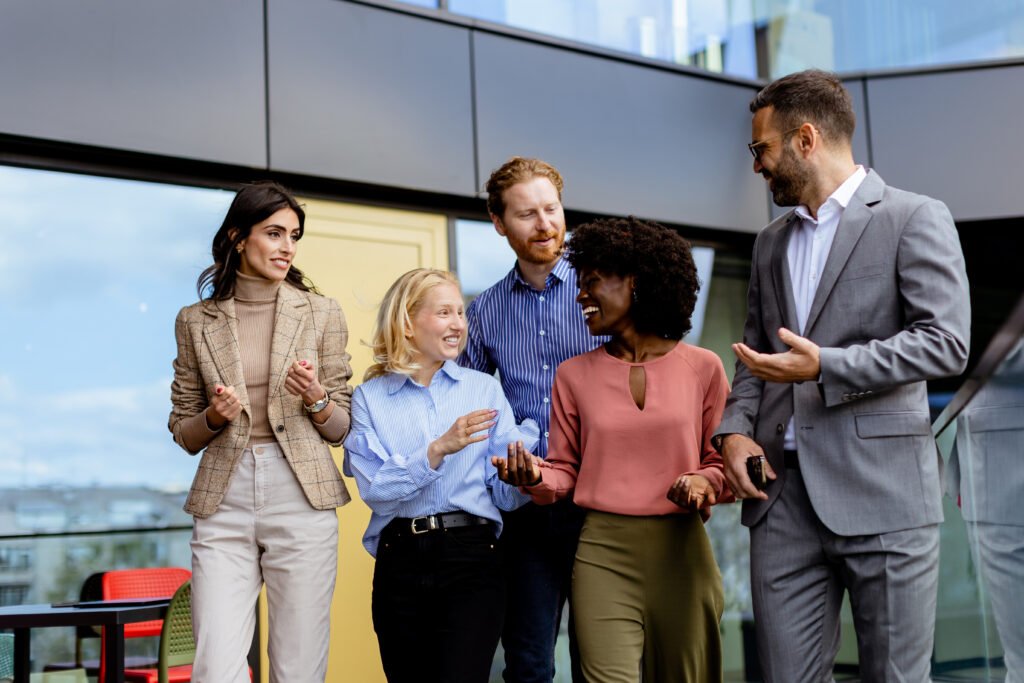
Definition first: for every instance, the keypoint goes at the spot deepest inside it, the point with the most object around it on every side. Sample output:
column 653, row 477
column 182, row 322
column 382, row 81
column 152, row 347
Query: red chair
column 156, row 582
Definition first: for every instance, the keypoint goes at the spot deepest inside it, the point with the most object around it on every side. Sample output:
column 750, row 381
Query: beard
column 789, row 179
column 531, row 253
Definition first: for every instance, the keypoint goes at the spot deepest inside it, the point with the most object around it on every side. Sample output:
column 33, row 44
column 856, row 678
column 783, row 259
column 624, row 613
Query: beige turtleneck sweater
column 255, row 306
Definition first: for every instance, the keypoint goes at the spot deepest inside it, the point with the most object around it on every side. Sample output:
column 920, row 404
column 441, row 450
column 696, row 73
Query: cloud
column 104, row 435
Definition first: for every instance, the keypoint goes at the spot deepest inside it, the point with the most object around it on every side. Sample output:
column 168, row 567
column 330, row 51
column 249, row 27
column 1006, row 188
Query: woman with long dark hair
column 631, row 427
column 261, row 387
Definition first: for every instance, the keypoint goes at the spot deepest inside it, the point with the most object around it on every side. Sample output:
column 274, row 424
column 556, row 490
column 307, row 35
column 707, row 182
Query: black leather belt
column 414, row 526
column 790, row 460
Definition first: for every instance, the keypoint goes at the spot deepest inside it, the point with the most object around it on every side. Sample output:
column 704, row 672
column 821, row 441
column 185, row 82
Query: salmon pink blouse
column 618, row 458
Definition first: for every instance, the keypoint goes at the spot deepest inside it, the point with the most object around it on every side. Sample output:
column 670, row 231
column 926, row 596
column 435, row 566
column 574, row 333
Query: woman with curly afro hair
column 631, row 427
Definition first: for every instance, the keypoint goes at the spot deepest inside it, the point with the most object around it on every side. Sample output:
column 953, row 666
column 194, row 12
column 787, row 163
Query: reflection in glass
column 986, row 475
column 770, row 38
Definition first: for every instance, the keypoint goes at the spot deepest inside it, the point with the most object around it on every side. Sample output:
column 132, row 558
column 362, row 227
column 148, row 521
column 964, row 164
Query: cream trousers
column 264, row 531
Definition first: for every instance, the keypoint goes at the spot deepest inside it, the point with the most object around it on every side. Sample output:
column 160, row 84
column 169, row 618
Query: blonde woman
column 261, row 386
column 423, row 431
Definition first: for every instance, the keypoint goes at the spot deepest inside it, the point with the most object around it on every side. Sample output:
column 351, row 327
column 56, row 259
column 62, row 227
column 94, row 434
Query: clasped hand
column 224, row 407
column 302, row 381
column 520, row 468
column 693, row 492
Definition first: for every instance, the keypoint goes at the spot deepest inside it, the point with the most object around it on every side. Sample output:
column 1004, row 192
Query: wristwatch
column 317, row 406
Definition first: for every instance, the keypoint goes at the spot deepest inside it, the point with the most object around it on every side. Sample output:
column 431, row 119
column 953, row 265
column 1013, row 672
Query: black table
column 112, row 616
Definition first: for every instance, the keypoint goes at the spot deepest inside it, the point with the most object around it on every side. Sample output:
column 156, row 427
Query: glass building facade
column 770, row 38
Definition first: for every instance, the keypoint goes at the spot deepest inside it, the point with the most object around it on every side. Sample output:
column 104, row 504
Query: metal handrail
column 96, row 532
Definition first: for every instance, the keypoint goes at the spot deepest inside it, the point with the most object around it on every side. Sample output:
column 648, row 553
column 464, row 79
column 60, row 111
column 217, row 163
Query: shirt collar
column 450, row 368
column 841, row 197
column 561, row 273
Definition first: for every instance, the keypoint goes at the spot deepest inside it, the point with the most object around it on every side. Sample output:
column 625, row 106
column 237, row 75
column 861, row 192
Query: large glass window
column 92, row 274
column 770, row 38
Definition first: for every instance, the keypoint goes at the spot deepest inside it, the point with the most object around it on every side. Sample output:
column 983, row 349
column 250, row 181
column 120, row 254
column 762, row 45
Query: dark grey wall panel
column 182, row 78
column 955, row 136
column 628, row 139
column 365, row 94
column 860, row 133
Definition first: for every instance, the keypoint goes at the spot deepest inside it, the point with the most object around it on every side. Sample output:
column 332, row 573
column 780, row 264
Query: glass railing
column 980, row 627
column 51, row 567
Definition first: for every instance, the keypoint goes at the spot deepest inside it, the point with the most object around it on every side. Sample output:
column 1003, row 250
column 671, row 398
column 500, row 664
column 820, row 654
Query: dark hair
column 660, row 261
column 814, row 96
column 254, row 203
column 514, row 171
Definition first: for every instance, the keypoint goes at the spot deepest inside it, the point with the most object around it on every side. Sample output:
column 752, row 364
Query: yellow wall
column 353, row 254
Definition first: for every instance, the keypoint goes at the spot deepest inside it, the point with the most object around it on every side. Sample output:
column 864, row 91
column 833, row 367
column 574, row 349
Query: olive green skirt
column 647, row 599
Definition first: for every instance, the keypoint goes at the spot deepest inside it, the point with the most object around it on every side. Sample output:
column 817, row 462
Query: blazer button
column 280, row 428
column 780, row 428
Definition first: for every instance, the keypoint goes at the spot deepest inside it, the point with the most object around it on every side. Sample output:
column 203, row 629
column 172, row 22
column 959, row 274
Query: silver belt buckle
column 431, row 523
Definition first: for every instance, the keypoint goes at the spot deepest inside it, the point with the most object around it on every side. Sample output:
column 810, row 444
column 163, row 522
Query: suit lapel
column 852, row 224
column 221, row 335
column 781, row 276
column 289, row 320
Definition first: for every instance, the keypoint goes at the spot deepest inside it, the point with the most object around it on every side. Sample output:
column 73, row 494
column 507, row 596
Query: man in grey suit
column 856, row 298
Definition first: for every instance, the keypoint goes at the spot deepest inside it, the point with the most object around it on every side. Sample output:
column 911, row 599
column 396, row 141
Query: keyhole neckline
column 674, row 349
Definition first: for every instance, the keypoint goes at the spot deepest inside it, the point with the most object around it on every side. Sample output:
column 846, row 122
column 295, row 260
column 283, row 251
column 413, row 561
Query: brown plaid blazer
column 306, row 326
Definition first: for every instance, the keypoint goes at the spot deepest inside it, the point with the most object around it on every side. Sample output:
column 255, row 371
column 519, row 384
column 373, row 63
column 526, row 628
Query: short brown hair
column 814, row 96
column 514, row 171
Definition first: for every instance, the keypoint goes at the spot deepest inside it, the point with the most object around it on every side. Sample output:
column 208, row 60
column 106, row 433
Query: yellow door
column 353, row 254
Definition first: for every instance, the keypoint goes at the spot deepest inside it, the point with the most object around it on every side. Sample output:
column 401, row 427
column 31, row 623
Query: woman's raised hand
column 465, row 431
column 521, row 468
column 224, row 407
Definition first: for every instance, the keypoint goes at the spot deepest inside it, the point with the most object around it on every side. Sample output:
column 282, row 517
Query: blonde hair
column 514, row 171
column 392, row 350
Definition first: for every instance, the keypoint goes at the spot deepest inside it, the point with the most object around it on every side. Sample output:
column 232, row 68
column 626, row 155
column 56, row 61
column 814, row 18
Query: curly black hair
column 659, row 260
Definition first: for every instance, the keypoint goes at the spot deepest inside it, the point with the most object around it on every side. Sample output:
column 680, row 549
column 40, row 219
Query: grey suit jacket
column 307, row 326
column 891, row 311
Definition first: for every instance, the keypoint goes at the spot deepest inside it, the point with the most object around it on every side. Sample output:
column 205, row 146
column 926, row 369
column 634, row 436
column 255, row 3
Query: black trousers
column 438, row 605
column 539, row 542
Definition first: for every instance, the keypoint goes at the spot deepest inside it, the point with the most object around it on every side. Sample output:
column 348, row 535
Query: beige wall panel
column 353, row 254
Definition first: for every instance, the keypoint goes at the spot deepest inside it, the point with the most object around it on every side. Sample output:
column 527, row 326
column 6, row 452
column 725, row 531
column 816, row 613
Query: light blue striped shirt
column 525, row 334
column 394, row 420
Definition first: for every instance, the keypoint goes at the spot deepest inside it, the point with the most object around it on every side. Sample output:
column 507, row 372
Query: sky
column 92, row 274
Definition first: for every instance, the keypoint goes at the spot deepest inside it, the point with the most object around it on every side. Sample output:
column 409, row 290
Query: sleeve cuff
column 335, row 428
column 196, row 432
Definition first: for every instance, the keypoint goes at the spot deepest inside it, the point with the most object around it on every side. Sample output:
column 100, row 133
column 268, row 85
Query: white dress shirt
column 809, row 245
